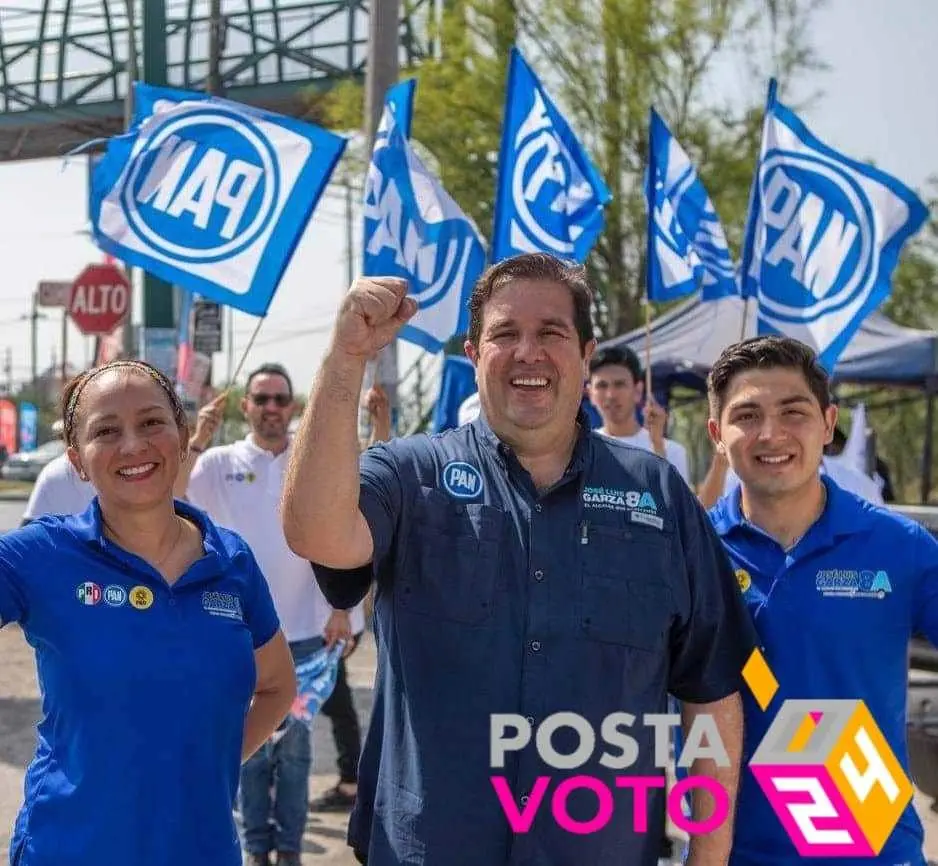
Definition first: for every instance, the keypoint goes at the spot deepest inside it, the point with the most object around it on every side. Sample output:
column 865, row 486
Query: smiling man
column 523, row 564
column 836, row 586
column 239, row 485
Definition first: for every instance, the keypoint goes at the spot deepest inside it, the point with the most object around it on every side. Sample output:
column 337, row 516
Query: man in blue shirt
column 524, row 565
column 836, row 586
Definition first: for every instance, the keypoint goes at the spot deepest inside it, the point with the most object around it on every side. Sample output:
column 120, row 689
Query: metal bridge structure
column 65, row 65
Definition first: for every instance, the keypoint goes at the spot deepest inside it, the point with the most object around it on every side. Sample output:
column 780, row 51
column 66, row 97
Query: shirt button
column 538, row 508
column 529, row 720
column 524, row 799
column 535, row 646
column 538, row 575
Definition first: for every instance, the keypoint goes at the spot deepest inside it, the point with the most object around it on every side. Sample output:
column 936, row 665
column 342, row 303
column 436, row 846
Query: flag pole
column 742, row 330
column 648, row 394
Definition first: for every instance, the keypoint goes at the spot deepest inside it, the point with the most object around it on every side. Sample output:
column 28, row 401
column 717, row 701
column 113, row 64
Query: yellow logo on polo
column 743, row 579
column 141, row 597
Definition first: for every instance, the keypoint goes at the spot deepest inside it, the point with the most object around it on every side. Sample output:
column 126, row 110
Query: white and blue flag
column 823, row 236
column 687, row 248
column 210, row 195
column 550, row 196
column 414, row 230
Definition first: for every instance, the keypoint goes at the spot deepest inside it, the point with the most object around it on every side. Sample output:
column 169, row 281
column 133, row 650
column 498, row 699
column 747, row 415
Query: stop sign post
column 99, row 299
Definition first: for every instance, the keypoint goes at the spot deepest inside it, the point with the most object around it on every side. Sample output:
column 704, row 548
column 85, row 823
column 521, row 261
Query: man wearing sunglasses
column 239, row 486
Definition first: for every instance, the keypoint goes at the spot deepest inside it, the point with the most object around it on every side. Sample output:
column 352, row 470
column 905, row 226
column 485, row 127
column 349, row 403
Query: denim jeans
column 274, row 795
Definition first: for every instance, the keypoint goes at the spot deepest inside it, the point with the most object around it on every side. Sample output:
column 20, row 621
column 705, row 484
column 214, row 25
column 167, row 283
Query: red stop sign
column 99, row 299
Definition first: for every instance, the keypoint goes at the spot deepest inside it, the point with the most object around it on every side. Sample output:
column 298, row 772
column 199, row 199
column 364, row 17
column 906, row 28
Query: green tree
column 898, row 416
column 605, row 62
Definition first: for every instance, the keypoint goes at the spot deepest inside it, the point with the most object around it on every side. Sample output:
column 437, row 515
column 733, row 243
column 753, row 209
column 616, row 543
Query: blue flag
column 823, row 236
column 550, row 195
column 210, row 195
column 687, row 247
column 414, row 230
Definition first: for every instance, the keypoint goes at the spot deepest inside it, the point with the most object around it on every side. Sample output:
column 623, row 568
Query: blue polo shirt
column 599, row 595
column 144, row 688
column 835, row 616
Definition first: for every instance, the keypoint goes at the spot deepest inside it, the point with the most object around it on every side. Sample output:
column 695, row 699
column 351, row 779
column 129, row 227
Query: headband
column 129, row 363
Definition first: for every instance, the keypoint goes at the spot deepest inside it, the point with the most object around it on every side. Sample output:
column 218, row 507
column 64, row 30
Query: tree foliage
column 704, row 65
column 605, row 62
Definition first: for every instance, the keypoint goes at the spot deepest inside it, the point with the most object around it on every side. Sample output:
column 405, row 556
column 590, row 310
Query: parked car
column 26, row 465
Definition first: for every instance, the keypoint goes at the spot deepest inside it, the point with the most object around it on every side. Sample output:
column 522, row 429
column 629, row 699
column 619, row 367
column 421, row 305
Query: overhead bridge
column 65, row 65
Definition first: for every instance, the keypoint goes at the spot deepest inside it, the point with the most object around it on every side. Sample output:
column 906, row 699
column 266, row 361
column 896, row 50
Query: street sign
column 99, row 299
column 54, row 293
column 206, row 327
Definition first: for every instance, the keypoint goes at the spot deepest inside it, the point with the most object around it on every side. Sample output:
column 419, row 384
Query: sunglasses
column 281, row 400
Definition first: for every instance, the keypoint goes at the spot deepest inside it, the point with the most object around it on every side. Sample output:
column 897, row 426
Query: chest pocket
column 624, row 586
column 451, row 559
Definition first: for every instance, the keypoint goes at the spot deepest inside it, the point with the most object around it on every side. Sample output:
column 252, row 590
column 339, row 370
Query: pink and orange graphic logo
column 826, row 768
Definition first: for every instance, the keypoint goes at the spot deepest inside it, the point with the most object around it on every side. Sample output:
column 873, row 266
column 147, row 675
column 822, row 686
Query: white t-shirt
column 674, row 452
column 840, row 472
column 58, row 490
column 469, row 410
column 239, row 486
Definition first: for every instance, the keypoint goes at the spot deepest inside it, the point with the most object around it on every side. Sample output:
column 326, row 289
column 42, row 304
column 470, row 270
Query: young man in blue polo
column 836, row 587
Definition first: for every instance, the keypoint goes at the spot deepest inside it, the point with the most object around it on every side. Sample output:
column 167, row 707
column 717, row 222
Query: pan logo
column 819, row 237
column 828, row 772
column 435, row 248
column 203, row 203
column 547, row 188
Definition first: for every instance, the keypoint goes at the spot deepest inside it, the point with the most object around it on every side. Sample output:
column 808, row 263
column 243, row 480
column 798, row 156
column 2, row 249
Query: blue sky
column 878, row 102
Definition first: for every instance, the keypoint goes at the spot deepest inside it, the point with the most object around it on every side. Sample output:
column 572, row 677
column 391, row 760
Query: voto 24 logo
column 826, row 768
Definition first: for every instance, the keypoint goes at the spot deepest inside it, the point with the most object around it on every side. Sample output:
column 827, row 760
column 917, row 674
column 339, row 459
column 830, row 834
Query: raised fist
column 371, row 314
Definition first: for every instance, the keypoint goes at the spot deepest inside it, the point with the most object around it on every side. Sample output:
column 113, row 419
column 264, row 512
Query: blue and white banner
column 823, row 236
column 687, row 248
column 210, row 195
column 414, row 230
column 29, row 427
column 550, row 195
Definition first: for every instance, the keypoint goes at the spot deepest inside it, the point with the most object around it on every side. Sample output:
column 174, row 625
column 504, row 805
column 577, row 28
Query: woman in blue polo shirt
column 160, row 658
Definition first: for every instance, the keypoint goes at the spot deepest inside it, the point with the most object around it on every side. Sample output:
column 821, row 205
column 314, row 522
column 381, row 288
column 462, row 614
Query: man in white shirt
column 58, row 490
column 616, row 386
column 239, row 485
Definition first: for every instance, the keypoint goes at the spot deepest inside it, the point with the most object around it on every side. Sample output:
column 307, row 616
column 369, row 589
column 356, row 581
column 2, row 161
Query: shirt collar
column 843, row 514
column 88, row 526
column 581, row 450
column 256, row 451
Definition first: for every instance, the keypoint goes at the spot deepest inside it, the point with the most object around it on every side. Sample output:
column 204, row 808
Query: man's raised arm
column 321, row 517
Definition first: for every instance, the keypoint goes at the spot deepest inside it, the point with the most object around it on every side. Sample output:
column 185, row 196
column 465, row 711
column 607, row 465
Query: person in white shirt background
column 58, row 490
column 616, row 388
column 239, row 486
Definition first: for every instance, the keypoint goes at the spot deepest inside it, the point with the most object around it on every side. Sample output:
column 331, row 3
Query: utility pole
column 349, row 240
column 130, row 350
column 34, row 317
column 158, row 304
column 381, row 72
column 8, row 370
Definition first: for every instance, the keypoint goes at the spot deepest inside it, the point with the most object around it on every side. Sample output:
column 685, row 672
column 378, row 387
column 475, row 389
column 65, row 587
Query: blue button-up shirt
column 834, row 615
column 596, row 596
column 145, row 687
